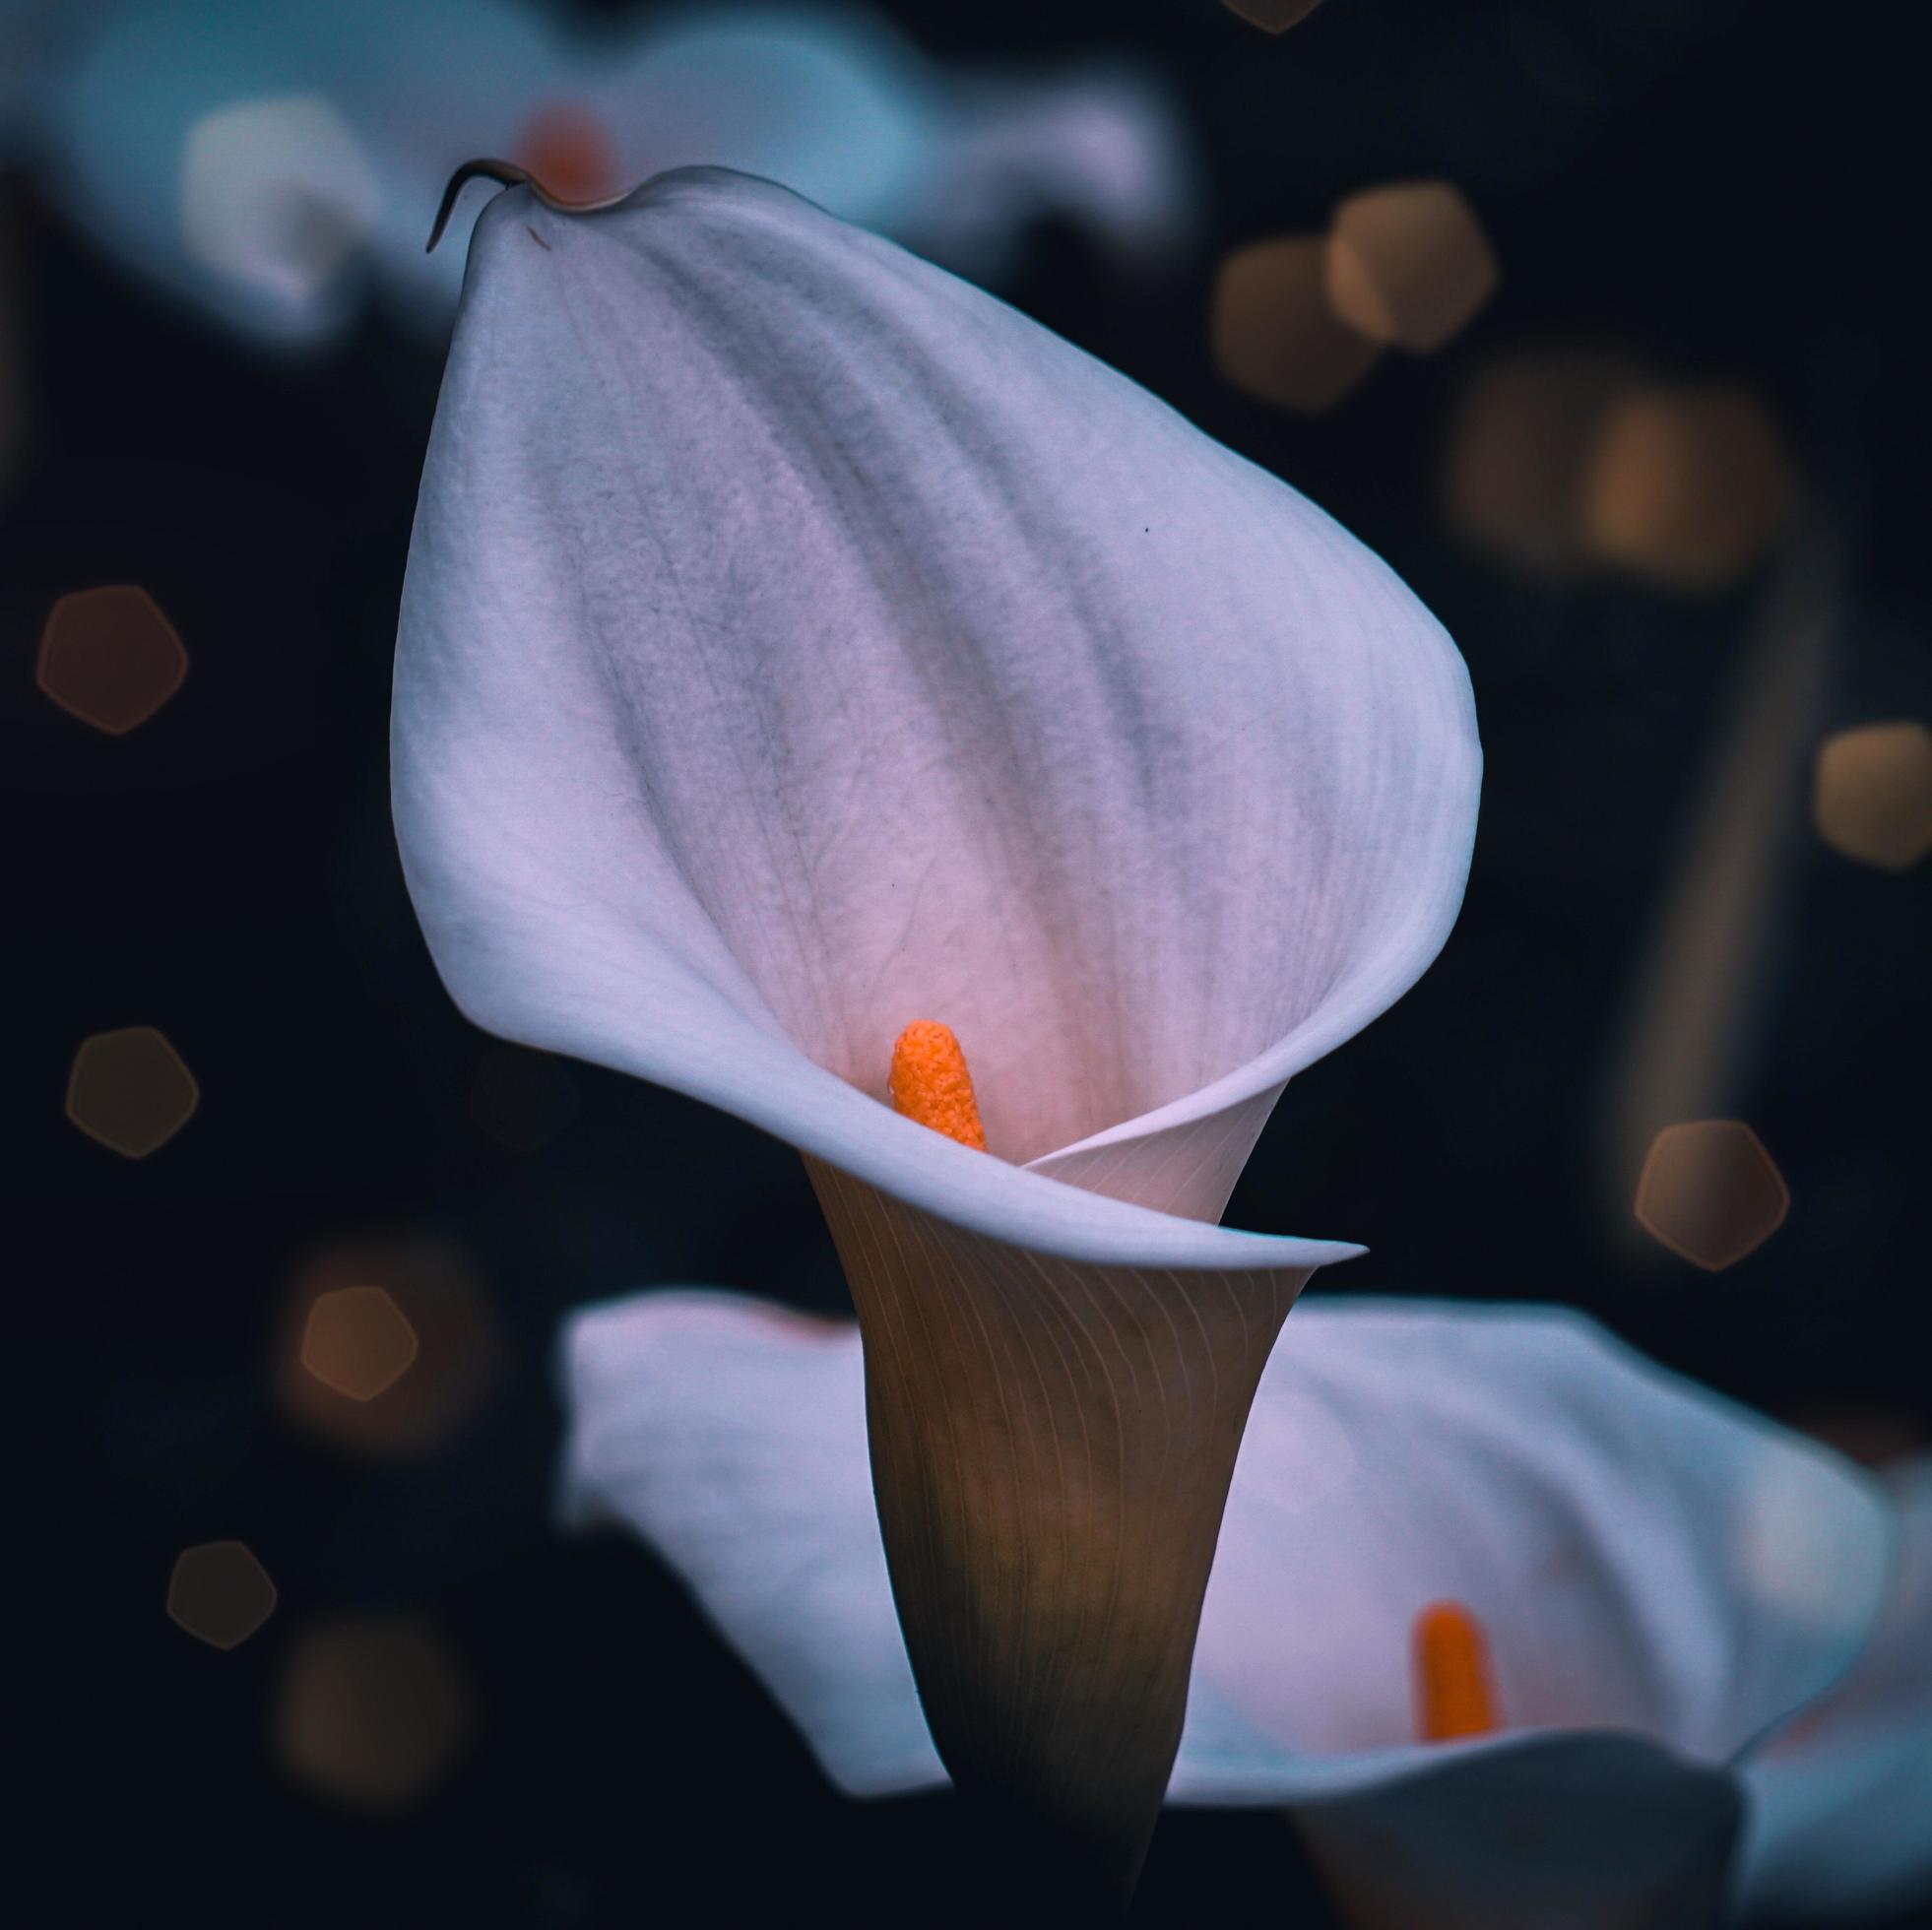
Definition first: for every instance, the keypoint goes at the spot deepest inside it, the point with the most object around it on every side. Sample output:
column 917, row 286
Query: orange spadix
column 929, row 1083
column 1452, row 1693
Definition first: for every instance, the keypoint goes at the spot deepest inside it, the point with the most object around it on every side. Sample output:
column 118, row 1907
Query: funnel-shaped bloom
column 1662, row 1580
column 797, row 644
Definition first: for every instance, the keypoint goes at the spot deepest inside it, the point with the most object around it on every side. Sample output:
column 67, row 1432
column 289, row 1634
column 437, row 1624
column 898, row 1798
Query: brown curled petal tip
column 506, row 174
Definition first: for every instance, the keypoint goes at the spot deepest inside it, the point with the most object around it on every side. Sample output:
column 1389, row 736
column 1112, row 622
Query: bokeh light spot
column 1519, row 450
column 130, row 1090
column 374, row 1711
column 1272, row 16
column 1409, row 264
column 1689, row 487
column 569, row 150
column 110, row 658
column 436, row 1294
column 276, row 195
column 522, row 1099
column 1273, row 334
column 357, row 1342
column 1710, row 1192
column 219, row 1593
column 1872, row 794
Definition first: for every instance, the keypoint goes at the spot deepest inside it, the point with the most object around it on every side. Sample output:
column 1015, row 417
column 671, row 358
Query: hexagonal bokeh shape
column 1710, row 1192
column 1688, row 486
column 461, row 1345
column 358, row 1341
column 130, row 1090
column 1272, row 16
column 1519, row 450
column 1409, row 264
column 1273, row 334
column 110, row 658
column 1872, row 794
column 373, row 1712
column 219, row 1593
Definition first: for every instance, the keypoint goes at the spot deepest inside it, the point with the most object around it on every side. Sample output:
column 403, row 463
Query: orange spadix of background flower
column 1452, row 1693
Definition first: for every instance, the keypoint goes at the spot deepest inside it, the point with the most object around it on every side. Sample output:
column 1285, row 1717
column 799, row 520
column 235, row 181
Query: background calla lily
column 798, row 643
column 1840, row 1815
column 1664, row 1580
column 266, row 164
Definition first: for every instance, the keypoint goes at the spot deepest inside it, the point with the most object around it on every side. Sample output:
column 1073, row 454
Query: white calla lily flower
column 799, row 644
column 1603, row 1520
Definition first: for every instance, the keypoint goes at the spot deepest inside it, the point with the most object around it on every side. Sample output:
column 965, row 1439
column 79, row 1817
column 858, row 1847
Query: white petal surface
column 1599, row 1515
column 1840, row 1819
column 798, row 642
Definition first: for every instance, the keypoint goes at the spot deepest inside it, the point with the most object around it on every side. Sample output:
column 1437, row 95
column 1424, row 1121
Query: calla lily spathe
column 1840, row 1819
column 269, row 165
column 798, row 643
column 1665, row 1580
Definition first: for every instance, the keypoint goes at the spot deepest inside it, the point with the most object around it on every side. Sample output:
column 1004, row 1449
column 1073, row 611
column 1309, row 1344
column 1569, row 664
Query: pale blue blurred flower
column 266, row 164
column 1840, row 1817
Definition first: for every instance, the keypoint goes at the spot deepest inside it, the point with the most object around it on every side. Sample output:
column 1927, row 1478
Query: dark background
column 1736, row 188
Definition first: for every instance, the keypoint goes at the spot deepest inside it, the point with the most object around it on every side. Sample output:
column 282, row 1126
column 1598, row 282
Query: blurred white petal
column 1604, row 1519
column 1840, row 1817
column 708, row 1417
column 1101, row 149
column 828, row 100
column 276, row 197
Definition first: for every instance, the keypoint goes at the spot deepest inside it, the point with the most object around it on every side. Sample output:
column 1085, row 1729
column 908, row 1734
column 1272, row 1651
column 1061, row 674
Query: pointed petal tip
column 506, row 173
